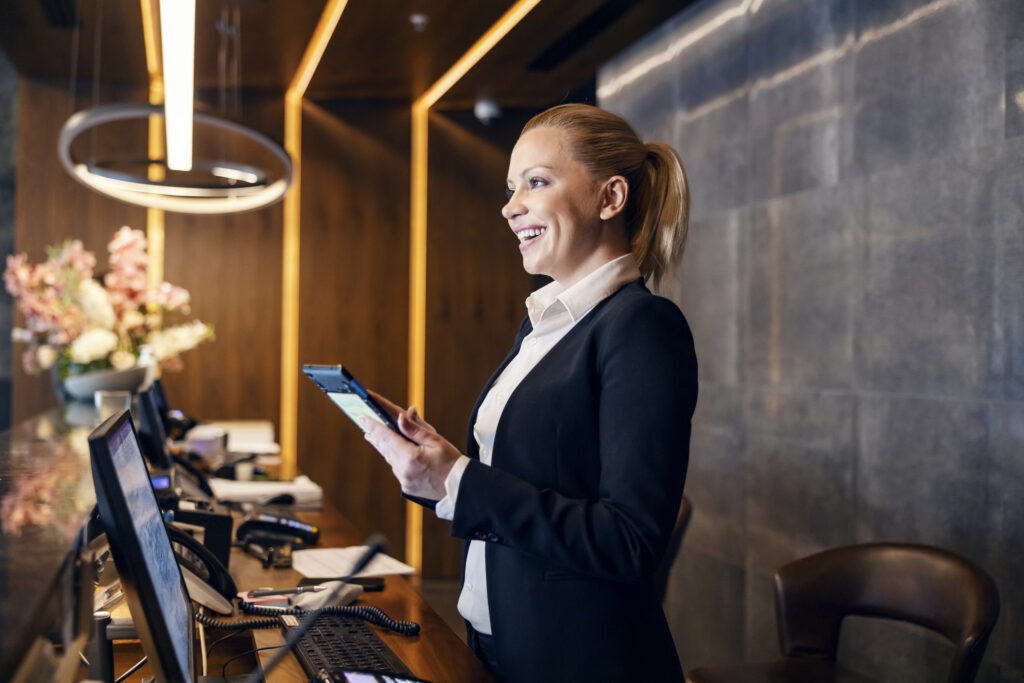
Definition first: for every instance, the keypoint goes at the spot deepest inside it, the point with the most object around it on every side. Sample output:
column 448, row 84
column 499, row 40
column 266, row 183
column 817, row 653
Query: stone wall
column 855, row 283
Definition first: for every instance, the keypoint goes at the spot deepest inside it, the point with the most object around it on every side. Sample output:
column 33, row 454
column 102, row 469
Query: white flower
column 122, row 360
column 174, row 340
column 46, row 356
column 133, row 319
column 96, row 304
column 20, row 334
column 92, row 345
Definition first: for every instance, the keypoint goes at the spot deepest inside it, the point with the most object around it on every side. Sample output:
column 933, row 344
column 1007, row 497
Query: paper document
column 307, row 493
column 338, row 562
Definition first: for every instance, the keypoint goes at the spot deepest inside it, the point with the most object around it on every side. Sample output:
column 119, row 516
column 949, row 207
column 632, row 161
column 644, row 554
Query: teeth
column 524, row 235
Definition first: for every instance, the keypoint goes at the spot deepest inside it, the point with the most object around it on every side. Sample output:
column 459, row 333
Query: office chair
column 919, row 584
column 674, row 541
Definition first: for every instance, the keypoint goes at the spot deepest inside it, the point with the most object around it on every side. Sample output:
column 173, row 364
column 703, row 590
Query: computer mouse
column 281, row 499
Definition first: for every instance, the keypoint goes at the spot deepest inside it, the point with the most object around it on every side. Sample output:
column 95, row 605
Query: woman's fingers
column 390, row 407
column 420, row 465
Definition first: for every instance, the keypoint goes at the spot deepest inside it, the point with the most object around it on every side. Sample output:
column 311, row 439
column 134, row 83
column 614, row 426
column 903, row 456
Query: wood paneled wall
column 50, row 207
column 230, row 264
column 475, row 291
column 354, row 284
column 354, row 296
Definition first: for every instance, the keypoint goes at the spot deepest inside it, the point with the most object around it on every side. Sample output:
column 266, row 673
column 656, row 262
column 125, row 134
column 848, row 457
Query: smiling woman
column 578, row 446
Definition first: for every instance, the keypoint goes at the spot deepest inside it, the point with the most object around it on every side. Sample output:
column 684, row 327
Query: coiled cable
column 270, row 617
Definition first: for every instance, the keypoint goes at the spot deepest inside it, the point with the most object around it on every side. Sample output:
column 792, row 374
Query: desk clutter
column 172, row 554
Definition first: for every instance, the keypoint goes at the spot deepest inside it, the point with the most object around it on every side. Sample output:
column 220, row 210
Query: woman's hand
column 421, row 466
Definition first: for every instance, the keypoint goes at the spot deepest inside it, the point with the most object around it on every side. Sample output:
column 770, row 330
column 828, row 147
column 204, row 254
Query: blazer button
column 493, row 538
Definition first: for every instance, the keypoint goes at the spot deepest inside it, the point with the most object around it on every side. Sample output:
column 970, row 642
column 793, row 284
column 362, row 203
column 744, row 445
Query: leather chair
column 674, row 542
column 923, row 585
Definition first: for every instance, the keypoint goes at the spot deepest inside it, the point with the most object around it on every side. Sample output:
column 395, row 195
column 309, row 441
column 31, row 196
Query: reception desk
column 46, row 498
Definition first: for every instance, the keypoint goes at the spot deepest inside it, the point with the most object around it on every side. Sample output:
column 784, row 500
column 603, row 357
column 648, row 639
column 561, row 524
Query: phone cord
column 271, row 618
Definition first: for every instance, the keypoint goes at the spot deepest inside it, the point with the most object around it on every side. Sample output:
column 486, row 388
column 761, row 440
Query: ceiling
column 375, row 52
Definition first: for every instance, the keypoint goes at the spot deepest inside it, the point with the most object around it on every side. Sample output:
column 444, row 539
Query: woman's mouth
column 529, row 236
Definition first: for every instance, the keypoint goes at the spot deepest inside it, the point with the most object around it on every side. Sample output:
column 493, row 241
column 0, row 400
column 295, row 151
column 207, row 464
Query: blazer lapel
column 472, row 450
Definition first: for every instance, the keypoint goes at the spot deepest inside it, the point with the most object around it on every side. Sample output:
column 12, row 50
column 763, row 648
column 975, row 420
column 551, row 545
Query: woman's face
column 554, row 207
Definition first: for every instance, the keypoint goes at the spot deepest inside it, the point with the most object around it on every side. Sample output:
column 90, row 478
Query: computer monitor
column 152, row 435
column 150, row 577
column 160, row 399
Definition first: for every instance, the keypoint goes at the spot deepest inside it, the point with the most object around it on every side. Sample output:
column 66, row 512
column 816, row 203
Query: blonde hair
column 658, row 208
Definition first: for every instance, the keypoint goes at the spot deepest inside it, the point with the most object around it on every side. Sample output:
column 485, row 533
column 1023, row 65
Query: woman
column 578, row 445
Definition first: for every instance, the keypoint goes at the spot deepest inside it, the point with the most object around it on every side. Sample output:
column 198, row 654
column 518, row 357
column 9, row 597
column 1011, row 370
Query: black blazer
column 587, row 475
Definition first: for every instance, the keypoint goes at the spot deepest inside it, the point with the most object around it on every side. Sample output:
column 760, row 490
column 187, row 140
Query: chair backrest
column 919, row 584
column 674, row 542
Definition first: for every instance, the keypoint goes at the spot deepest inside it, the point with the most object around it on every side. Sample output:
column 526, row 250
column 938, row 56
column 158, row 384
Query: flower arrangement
column 77, row 325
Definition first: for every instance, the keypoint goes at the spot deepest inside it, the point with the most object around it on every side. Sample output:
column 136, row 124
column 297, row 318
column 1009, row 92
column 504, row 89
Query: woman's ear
column 614, row 194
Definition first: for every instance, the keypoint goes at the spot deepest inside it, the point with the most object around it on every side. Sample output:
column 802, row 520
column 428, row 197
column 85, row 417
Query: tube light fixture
column 178, row 40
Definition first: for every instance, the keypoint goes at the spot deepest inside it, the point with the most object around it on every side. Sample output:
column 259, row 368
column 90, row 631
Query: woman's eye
column 508, row 193
column 537, row 182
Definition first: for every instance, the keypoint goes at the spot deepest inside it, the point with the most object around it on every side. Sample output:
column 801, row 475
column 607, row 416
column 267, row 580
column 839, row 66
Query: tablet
column 348, row 394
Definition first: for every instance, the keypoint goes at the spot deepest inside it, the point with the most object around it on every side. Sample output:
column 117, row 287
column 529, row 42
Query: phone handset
column 206, row 578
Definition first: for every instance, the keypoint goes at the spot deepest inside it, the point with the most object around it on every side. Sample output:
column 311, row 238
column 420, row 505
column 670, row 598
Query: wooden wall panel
column 475, row 291
column 50, row 207
column 231, row 264
column 354, row 296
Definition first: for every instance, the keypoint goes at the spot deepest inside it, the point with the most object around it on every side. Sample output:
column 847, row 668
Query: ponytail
column 658, row 209
column 662, row 213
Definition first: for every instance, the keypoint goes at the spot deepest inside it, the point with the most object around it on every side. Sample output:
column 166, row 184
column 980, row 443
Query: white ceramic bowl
column 82, row 387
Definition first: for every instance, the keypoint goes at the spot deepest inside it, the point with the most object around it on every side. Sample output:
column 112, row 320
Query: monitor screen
column 142, row 551
column 152, row 434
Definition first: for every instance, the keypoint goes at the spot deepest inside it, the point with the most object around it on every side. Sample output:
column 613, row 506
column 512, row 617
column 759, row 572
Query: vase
column 82, row 387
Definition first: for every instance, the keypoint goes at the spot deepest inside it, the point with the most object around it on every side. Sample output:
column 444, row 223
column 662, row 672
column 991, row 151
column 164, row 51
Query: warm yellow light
column 154, row 217
column 482, row 46
column 290, row 238
column 178, row 40
column 418, row 236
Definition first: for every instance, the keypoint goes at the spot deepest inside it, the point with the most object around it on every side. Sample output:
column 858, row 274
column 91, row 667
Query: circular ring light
column 250, row 190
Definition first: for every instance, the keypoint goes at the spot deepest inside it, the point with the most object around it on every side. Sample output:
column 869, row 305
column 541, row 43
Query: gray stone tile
column 704, row 85
column 707, row 287
column 715, row 151
column 1004, row 556
column 800, row 463
column 706, row 618
column 925, row 298
column 761, row 634
column 1014, row 69
column 716, row 481
column 653, row 72
column 801, row 65
column 1006, row 378
column 922, row 472
column 929, row 80
column 801, row 260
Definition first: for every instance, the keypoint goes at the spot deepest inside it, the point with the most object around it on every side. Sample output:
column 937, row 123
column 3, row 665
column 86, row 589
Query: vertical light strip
column 178, row 43
column 154, row 217
column 290, row 238
column 418, row 236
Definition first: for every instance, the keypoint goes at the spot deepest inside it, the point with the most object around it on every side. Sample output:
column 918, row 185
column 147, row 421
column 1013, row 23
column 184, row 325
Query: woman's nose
column 513, row 207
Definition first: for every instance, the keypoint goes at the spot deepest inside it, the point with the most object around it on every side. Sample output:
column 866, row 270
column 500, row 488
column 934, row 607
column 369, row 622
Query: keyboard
column 338, row 643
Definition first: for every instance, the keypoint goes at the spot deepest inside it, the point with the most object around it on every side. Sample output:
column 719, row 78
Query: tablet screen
column 355, row 407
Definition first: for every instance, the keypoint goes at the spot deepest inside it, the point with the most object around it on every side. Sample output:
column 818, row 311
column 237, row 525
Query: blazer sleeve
column 647, row 372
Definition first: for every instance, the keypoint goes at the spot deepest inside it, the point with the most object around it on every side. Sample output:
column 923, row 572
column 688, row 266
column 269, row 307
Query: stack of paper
column 338, row 562
column 306, row 492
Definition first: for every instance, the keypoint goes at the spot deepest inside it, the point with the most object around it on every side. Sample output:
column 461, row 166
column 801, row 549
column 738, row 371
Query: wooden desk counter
column 436, row 654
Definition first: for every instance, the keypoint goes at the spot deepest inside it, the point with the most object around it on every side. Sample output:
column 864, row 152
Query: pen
column 285, row 591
